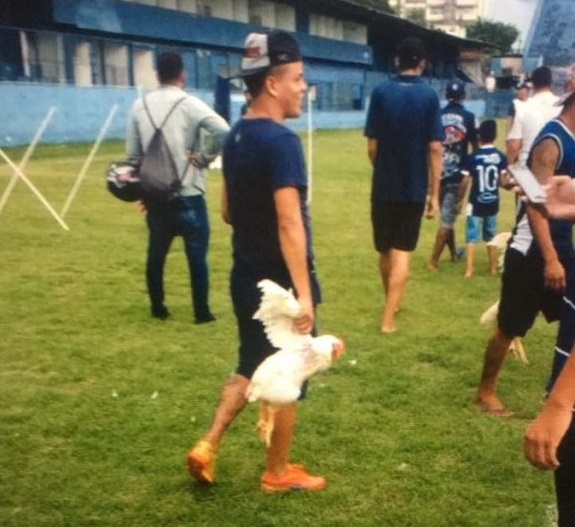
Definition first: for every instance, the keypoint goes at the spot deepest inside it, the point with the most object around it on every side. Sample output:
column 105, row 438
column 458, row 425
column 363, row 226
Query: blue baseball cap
column 455, row 90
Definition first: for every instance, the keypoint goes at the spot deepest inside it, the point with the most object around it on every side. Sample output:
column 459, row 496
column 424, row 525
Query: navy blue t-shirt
column 485, row 167
column 261, row 156
column 459, row 127
column 404, row 117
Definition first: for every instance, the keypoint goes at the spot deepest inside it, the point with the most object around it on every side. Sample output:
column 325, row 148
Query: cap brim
column 564, row 98
column 248, row 73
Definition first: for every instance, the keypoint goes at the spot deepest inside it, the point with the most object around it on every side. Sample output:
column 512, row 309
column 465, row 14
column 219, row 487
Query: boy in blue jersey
column 264, row 200
column 404, row 134
column 484, row 170
column 460, row 135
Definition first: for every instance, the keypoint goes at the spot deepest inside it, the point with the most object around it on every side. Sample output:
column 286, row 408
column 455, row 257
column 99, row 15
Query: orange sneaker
column 294, row 478
column 202, row 462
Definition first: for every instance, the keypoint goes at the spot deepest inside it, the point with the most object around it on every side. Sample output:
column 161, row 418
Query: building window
column 168, row 4
column 144, row 70
column 354, row 32
column 116, row 64
column 284, row 17
column 326, row 27
column 204, row 9
column 187, row 6
column 261, row 13
column 43, row 56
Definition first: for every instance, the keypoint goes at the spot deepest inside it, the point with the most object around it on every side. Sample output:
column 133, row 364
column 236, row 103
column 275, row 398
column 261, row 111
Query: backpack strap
column 156, row 128
column 167, row 115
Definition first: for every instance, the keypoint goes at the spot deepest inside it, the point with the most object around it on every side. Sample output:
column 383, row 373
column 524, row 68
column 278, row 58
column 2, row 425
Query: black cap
column 455, row 90
column 263, row 51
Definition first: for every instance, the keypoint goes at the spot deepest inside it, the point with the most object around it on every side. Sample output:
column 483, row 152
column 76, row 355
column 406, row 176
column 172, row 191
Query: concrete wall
column 81, row 112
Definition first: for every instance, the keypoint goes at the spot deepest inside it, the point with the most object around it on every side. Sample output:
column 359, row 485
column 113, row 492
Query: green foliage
column 100, row 402
column 499, row 35
column 417, row 16
column 380, row 5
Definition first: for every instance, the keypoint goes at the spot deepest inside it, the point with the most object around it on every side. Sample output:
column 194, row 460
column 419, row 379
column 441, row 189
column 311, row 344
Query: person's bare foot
column 468, row 273
column 491, row 405
column 432, row 267
column 388, row 329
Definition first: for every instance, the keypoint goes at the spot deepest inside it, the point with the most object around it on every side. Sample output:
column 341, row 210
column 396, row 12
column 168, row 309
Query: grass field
column 99, row 402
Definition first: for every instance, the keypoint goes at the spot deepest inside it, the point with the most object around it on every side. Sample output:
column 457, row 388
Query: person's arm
column 463, row 188
column 513, row 148
column 293, row 243
column 215, row 130
column 372, row 150
column 225, row 208
column 545, row 156
column 560, row 202
column 435, row 167
column 134, row 150
column 544, row 434
column 373, row 126
column 514, row 140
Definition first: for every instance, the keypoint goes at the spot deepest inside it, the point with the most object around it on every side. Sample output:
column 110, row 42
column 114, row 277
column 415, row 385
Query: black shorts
column 396, row 225
column 254, row 346
column 524, row 295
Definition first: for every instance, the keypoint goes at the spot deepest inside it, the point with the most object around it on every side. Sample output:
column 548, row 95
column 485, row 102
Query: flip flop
column 498, row 412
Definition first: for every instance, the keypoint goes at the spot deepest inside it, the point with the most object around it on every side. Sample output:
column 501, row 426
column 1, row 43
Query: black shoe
column 205, row 319
column 160, row 312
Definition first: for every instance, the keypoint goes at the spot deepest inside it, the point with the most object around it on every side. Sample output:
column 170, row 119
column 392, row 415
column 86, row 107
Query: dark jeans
column 186, row 217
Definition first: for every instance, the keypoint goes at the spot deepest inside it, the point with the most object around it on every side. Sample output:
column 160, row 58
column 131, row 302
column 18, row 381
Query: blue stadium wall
column 80, row 111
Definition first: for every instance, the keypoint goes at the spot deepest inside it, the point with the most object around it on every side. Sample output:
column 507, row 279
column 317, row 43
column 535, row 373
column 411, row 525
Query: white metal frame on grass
column 44, row 201
column 27, row 156
column 88, row 161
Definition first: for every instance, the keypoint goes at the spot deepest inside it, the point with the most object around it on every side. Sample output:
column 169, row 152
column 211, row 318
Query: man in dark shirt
column 264, row 199
column 404, row 134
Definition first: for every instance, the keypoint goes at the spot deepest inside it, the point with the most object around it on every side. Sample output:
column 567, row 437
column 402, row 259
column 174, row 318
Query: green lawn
column 100, row 403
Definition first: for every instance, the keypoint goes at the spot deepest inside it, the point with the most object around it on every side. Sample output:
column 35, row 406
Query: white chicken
column 278, row 380
column 490, row 315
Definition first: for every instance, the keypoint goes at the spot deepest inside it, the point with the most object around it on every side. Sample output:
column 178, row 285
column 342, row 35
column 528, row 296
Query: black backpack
column 158, row 172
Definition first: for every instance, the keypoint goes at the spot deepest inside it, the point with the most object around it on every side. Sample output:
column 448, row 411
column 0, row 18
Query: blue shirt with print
column 460, row 132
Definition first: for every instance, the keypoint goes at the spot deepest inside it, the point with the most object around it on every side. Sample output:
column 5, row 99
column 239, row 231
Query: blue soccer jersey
column 485, row 167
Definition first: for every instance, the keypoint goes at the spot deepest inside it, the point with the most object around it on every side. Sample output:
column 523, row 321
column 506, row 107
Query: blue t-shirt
column 485, row 167
column 261, row 156
column 459, row 127
column 404, row 117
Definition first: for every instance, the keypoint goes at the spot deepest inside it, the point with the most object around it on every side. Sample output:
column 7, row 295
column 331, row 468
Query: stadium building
column 551, row 39
column 450, row 16
column 84, row 56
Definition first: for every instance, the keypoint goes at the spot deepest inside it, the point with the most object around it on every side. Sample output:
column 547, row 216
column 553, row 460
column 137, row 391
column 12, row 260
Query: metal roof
column 378, row 20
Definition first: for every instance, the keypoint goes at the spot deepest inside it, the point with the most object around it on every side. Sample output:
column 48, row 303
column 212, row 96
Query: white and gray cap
column 263, row 51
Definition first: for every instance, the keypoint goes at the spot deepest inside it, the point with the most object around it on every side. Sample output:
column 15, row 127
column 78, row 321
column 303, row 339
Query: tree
column 499, row 35
column 417, row 16
column 380, row 5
